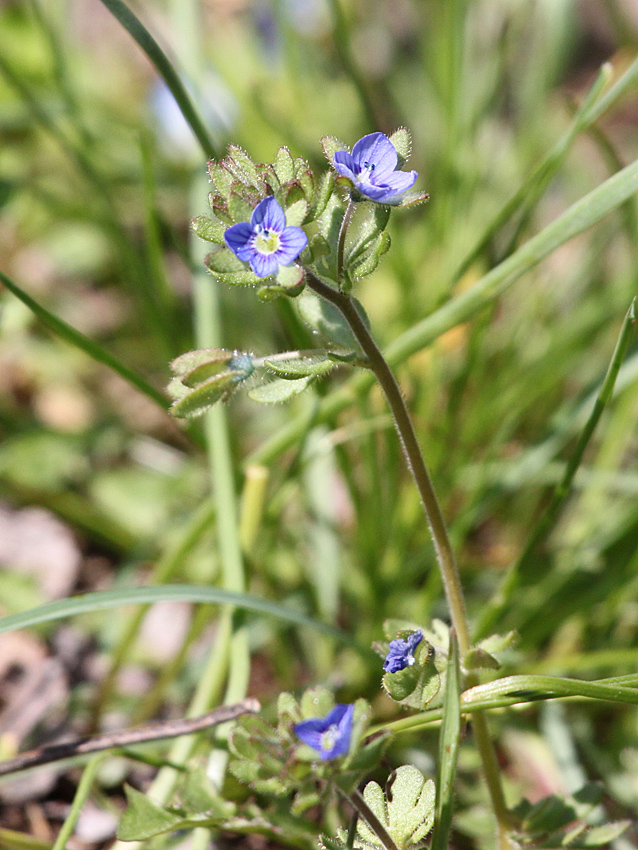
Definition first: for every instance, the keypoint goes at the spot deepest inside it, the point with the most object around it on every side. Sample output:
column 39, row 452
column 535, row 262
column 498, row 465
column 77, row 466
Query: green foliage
column 565, row 821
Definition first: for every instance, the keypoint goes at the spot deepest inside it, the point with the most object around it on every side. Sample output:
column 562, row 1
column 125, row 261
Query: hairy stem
column 390, row 387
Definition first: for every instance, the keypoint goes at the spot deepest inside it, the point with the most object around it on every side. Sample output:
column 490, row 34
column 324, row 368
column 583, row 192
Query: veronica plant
column 278, row 228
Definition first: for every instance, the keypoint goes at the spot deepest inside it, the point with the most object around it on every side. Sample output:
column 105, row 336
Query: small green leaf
column 331, row 145
column 301, row 367
column 143, row 819
column 598, row 836
column 402, row 142
column 242, row 166
column 192, row 359
column 240, row 208
column 203, row 397
column 316, row 702
column 209, row 228
column 199, row 796
column 327, row 320
column 245, row 278
column 478, row 659
column 368, row 261
column 322, row 195
column 221, row 178
column 296, row 212
column 284, row 165
column 278, row 390
column 223, row 261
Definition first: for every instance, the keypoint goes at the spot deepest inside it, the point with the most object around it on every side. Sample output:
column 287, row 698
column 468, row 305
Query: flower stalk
column 443, row 548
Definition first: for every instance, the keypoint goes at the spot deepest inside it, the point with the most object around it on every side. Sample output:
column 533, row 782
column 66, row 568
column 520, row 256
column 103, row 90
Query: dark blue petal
column 310, row 732
column 269, row 215
column 238, row 239
column 344, row 165
column 401, row 652
column 375, row 150
column 292, row 242
column 338, row 723
column 264, row 265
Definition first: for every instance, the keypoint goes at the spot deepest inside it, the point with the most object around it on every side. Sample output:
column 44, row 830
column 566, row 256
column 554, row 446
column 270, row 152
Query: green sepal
column 415, row 686
column 305, row 178
column 370, row 222
column 223, row 261
column 192, row 359
column 402, row 143
column 296, row 212
column 368, row 261
column 245, row 278
column 203, row 397
column 240, row 206
column 284, row 165
column 301, row 367
column 278, row 390
column 322, row 195
column 221, row 178
column 242, row 166
column 412, row 199
column 330, row 145
column 209, row 228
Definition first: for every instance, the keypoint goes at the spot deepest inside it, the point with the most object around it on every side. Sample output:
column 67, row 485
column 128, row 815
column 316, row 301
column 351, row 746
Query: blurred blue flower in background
column 329, row 735
column 216, row 104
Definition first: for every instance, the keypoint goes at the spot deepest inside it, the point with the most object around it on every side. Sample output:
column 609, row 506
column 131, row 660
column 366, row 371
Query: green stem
column 436, row 523
column 81, row 795
column 390, row 387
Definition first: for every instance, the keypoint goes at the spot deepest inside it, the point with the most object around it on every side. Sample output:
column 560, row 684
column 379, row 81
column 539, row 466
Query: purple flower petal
column 378, row 151
column 329, row 735
column 344, row 165
column 292, row 242
column 398, row 181
column 269, row 215
column 401, row 652
column 238, row 239
column 264, row 265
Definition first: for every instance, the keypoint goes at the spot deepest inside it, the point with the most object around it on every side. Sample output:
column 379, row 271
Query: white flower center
column 267, row 241
column 329, row 737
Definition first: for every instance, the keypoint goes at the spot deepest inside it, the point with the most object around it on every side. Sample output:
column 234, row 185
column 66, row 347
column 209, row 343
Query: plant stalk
column 414, row 458
column 436, row 523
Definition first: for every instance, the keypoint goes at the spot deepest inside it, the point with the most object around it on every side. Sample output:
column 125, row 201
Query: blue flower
column 372, row 168
column 329, row 735
column 401, row 654
column 266, row 243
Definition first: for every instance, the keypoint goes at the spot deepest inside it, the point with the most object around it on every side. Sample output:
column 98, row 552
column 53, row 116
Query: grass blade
column 151, row 48
column 88, row 346
column 103, row 600
column 511, row 580
column 449, row 740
